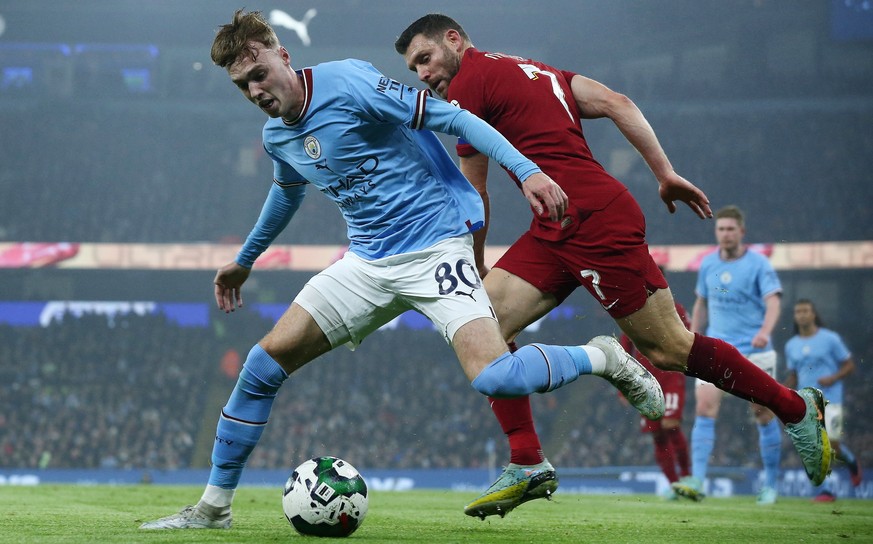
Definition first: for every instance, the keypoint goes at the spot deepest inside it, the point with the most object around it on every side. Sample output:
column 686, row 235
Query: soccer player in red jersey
column 599, row 244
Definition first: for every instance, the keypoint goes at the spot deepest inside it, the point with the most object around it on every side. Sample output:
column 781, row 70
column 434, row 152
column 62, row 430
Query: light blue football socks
column 244, row 417
column 770, row 442
column 534, row 368
column 702, row 442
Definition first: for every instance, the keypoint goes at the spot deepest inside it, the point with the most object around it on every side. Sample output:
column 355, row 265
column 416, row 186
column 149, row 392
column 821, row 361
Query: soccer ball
column 325, row 496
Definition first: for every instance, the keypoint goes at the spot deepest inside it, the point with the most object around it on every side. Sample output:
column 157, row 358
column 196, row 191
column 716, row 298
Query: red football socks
column 679, row 444
column 516, row 421
column 720, row 363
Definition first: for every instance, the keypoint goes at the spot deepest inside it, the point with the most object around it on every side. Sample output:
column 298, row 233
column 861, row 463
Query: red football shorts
column 608, row 255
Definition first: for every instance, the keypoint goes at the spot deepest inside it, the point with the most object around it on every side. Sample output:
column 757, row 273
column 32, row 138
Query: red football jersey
column 531, row 104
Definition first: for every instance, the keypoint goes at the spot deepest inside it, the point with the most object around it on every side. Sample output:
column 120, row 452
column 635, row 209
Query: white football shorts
column 353, row 297
column 765, row 360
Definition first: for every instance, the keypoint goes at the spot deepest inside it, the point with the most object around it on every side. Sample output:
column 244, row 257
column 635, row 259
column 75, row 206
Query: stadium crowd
column 94, row 392
column 133, row 392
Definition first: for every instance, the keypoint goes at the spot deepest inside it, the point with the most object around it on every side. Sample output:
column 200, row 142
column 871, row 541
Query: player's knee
column 501, row 379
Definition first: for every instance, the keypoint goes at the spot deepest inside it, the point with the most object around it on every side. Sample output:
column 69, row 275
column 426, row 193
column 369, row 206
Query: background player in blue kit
column 817, row 357
column 357, row 136
column 738, row 301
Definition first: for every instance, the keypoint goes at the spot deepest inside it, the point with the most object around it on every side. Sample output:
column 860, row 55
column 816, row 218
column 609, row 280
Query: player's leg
column 671, row 447
column 834, row 417
column 532, row 278
column 539, row 368
column 311, row 326
column 516, row 304
column 707, row 403
column 679, row 445
column 663, row 448
column 717, row 362
column 769, row 434
column 661, row 336
column 295, row 339
column 826, row 492
column 673, row 385
column 516, row 419
column 536, row 368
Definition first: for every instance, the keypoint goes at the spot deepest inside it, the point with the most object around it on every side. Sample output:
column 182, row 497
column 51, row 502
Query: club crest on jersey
column 312, row 147
column 726, row 277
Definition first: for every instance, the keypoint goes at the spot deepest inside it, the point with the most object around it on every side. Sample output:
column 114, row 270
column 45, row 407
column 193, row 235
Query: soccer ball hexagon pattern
column 325, row 496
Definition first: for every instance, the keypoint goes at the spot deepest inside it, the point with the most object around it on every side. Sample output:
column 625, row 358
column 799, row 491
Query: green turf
column 96, row 514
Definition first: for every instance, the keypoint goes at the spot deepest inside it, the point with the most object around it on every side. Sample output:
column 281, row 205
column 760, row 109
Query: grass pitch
column 96, row 514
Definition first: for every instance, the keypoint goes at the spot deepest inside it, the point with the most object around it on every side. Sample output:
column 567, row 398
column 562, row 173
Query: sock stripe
column 242, row 421
column 548, row 367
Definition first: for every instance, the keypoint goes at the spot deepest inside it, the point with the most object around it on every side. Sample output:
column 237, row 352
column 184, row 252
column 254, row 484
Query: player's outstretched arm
column 596, row 100
column 543, row 193
column 228, row 286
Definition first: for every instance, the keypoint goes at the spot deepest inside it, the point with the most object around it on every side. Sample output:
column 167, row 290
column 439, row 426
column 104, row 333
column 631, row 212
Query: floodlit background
column 115, row 128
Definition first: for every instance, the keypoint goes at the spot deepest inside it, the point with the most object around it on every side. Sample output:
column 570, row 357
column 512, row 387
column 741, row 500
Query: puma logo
column 470, row 294
column 301, row 27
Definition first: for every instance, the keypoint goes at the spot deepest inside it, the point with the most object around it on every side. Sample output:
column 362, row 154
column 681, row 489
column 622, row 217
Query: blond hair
column 234, row 40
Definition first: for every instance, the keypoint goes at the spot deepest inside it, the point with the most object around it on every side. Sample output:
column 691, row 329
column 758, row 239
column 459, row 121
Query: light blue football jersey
column 812, row 357
column 359, row 140
column 734, row 293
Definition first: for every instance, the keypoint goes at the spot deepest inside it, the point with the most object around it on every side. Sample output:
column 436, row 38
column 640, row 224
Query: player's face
column 728, row 233
column 267, row 80
column 804, row 315
column 436, row 63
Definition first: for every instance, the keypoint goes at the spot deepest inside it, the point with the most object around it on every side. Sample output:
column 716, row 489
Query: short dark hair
column 731, row 212
column 818, row 322
column 431, row 26
column 233, row 39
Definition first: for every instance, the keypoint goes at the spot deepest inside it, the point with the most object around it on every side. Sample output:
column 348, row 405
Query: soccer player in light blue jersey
column 818, row 357
column 364, row 141
column 738, row 301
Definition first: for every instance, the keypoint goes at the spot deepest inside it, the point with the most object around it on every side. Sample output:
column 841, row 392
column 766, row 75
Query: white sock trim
column 218, row 496
column 597, row 358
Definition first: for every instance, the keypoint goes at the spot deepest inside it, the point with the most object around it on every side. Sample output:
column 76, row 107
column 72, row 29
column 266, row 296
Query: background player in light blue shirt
column 738, row 298
column 363, row 140
column 817, row 357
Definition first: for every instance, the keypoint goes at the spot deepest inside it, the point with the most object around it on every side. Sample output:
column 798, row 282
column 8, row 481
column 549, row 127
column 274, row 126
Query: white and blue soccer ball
column 325, row 496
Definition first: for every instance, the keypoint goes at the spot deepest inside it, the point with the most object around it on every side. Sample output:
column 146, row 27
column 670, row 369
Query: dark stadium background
column 116, row 128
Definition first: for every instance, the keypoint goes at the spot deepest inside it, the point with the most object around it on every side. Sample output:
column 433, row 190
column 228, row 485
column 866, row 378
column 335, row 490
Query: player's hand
column 760, row 341
column 228, row 286
column 540, row 190
column 673, row 187
column 827, row 381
